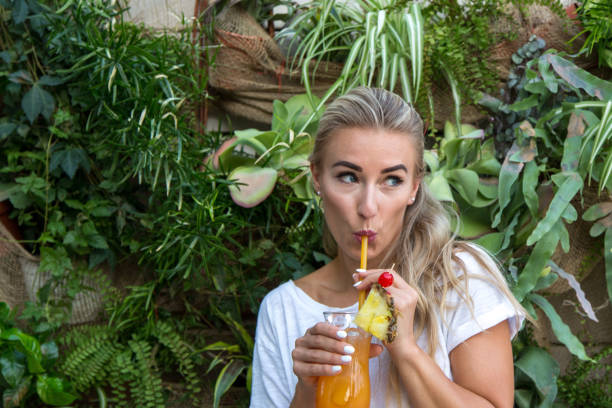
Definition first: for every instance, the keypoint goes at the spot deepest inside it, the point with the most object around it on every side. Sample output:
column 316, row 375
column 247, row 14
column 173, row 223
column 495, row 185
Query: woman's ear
column 315, row 177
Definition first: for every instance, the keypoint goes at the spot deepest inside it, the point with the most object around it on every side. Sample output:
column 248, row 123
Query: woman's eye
column 347, row 178
column 393, row 181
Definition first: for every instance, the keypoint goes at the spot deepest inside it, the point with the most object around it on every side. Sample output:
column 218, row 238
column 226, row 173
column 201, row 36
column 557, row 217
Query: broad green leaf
column 608, row 258
column 579, row 78
column 543, row 370
column 567, row 191
column 525, row 104
column 492, row 242
column 508, row 175
column 20, row 11
column 70, row 160
column 571, row 146
column 522, row 398
column 465, row 182
column 15, row 397
column 530, row 183
column 541, row 253
column 431, row 160
column 252, row 185
column 12, row 370
column 439, row 187
column 37, row 101
column 26, row 344
column 54, row 390
column 561, row 330
column 226, row 378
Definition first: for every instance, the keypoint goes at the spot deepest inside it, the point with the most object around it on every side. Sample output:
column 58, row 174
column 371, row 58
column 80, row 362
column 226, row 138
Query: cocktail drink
column 351, row 387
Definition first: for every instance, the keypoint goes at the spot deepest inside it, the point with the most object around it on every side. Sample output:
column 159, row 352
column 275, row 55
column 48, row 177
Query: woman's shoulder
column 473, row 260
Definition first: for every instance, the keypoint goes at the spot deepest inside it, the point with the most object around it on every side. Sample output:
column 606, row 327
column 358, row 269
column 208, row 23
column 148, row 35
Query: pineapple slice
column 378, row 314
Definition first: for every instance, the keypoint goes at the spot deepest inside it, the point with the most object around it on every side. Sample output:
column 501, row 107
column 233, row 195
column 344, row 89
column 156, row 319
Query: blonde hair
column 425, row 254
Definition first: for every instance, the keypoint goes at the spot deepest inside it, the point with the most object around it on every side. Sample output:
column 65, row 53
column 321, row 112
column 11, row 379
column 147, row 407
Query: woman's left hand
column 405, row 301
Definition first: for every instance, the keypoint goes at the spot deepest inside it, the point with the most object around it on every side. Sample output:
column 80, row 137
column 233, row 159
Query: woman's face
column 366, row 179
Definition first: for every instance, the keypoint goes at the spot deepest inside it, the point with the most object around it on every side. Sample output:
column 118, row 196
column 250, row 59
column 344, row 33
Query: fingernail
column 360, row 270
column 335, row 369
column 355, row 276
column 341, row 334
column 346, row 359
column 356, row 284
column 349, row 349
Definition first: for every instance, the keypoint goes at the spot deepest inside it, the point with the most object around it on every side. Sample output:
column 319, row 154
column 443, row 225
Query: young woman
column 456, row 314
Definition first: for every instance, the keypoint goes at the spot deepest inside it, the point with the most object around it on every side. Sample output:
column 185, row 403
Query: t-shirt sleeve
column 269, row 388
column 490, row 306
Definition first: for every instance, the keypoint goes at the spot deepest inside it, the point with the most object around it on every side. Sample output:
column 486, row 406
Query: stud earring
column 318, row 193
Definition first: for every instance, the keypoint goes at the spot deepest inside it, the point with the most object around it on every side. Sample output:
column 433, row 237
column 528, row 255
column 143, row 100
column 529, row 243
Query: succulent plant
column 256, row 160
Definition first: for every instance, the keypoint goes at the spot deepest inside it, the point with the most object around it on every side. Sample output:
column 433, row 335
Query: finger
column 375, row 350
column 320, row 356
column 302, row 369
column 328, row 330
column 369, row 277
column 403, row 297
column 320, row 342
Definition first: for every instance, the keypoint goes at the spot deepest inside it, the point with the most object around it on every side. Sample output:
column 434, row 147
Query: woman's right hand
column 322, row 351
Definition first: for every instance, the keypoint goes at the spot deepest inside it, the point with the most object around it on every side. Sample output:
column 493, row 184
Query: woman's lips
column 367, row 233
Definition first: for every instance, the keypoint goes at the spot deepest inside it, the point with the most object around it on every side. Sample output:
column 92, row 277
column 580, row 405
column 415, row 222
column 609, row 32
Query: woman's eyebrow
column 347, row 164
column 393, row 168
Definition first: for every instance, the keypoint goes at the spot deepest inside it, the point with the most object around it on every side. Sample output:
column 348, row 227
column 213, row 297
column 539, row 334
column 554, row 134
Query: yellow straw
column 363, row 265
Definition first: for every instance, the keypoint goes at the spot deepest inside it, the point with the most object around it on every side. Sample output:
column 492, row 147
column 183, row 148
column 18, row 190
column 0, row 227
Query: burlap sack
column 250, row 70
column 20, row 280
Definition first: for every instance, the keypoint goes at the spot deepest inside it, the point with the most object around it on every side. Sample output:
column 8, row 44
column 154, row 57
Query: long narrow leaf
column 382, row 73
column 561, row 330
column 541, row 253
column 567, row 191
column 580, row 78
column 608, row 258
column 226, row 378
column 393, row 72
column 417, row 42
column 530, row 182
column 405, row 81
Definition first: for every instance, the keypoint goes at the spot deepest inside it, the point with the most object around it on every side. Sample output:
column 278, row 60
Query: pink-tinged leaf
column 224, row 146
column 580, row 78
column 252, row 185
column 584, row 302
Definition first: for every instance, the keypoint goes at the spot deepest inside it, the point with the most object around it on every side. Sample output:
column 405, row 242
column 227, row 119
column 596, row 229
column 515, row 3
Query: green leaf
column 525, row 104
column 541, row 253
column 579, row 78
column 608, row 258
column 439, row 188
column 561, row 330
column 37, row 101
column 70, row 160
column 465, row 182
column 55, row 261
column 226, row 378
column 567, row 191
column 26, row 344
column 54, row 390
column 530, row 183
column 508, row 175
column 543, row 370
column 16, row 396
column 522, row 398
column 20, row 11
column 253, row 185
column 491, row 242
column 12, row 370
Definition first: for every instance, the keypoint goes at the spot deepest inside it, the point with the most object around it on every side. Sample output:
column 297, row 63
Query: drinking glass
column 351, row 387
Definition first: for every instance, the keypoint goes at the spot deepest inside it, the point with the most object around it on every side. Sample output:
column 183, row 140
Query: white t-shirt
column 287, row 312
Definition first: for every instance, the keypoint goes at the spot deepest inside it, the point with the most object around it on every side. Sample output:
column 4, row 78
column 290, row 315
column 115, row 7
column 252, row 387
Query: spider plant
column 378, row 41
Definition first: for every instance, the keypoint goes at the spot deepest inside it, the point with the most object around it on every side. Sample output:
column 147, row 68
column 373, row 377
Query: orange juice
column 350, row 388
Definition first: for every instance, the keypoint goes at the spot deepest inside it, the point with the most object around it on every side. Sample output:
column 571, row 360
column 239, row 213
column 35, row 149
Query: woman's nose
column 367, row 206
